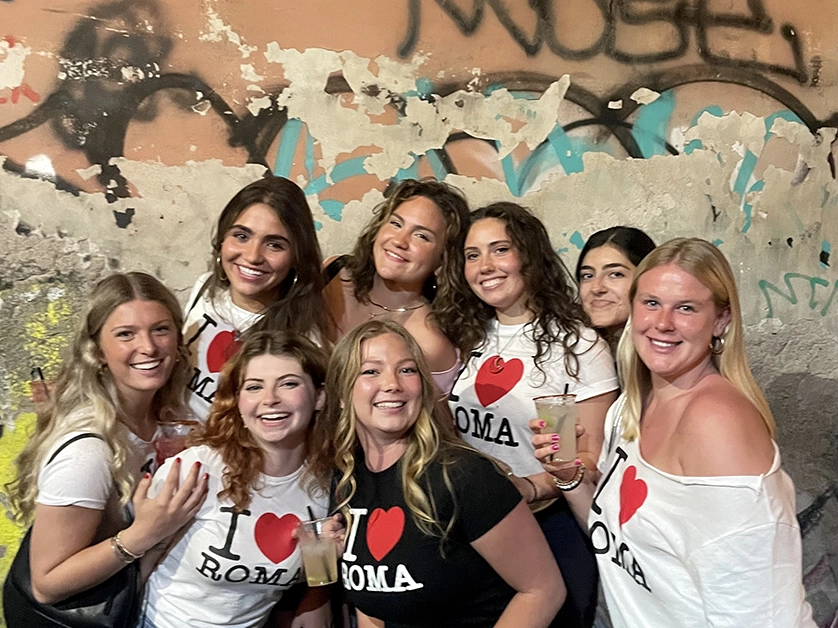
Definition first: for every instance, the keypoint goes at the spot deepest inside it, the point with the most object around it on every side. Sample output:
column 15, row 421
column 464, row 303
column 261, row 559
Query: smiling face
column 387, row 394
column 139, row 344
column 276, row 402
column 256, row 255
column 408, row 247
column 493, row 271
column 604, row 281
column 674, row 320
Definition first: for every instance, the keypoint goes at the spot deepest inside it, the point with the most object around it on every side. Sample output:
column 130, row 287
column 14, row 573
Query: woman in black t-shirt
column 436, row 535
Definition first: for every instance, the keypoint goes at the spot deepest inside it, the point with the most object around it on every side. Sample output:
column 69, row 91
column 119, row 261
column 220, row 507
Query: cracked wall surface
column 125, row 126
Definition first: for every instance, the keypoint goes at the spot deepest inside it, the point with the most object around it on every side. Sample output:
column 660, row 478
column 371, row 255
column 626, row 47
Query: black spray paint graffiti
column 112, row 76
column 681, row 15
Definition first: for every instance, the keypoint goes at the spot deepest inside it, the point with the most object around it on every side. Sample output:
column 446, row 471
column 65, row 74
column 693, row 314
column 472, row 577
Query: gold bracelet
column 510, row 475
column 573, row 483
column 121, row 552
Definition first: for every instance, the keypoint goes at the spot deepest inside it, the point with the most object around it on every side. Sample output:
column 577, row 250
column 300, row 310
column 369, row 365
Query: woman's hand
column 334, row 528
column 548, row 446
column 158, row 518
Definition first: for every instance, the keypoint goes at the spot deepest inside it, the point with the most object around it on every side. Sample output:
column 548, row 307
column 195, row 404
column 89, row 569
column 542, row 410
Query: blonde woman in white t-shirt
column 92, row 443
column 692, row 518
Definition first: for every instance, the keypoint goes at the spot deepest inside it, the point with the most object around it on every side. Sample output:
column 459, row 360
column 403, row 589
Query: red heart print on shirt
column 221, row 349
column 497, row 377
column 632, row 494
column 384, row 530
column 273, row 536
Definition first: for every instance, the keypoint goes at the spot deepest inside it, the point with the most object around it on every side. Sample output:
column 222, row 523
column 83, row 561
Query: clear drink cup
column 170, row 438
column 320, row 554
column 559, row 415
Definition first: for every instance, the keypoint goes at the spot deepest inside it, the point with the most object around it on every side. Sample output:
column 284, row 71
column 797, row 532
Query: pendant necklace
column 398, row 310
column 497, row 365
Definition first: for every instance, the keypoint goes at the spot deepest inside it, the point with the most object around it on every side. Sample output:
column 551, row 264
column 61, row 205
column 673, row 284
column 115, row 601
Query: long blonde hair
column 431, row 439
column 85, row 396
column 707, row 264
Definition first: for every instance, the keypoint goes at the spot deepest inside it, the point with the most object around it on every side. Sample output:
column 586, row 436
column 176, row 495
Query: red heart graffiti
column 496, row 378
column 384, row 530
column 221, row 349
column 273, row 536
column 632, row 494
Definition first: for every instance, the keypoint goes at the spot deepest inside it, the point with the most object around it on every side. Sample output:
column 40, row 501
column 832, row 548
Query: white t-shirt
column 210, row 333
column 80, row 475
column 229, row 569
column 696, row 552
column 493, row 406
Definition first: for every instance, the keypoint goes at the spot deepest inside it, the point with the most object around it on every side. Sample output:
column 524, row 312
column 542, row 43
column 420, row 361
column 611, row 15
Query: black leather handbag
column 114, row 603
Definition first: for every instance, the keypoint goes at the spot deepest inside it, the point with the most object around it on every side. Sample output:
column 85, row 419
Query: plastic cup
column 320, row 554
column 559, row 415
column 170, row 438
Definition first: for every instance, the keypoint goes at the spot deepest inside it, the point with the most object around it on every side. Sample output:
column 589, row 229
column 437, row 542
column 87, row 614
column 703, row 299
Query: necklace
column 497, row 365
column 398, row 310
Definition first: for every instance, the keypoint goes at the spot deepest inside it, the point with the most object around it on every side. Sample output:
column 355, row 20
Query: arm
column 63, row 562
column 364, row 621
column 517, row 550
column 315, row 610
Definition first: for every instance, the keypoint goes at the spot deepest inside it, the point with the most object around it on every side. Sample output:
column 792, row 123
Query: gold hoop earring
column 220, row 269
column 717, row 345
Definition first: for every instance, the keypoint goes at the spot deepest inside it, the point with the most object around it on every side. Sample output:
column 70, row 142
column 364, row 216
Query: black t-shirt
column 394, row 572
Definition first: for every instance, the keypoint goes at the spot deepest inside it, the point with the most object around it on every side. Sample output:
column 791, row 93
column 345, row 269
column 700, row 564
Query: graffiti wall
column 125, row 126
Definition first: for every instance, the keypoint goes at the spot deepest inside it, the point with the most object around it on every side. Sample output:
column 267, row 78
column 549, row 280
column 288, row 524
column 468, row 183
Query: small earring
column 220, row 269
column 296, row 276
column 717, row 345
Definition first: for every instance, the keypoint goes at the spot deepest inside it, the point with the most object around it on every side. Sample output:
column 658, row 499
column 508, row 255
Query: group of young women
column 418, row 435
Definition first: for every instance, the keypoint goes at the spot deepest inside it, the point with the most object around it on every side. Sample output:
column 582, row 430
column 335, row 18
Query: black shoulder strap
column 71, row 441
column 335, row 266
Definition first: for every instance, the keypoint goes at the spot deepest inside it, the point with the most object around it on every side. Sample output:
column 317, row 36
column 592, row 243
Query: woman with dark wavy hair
column 404, row 268
column 436, row 535
column 521, row 315
column 238, row 556
column 265, row 276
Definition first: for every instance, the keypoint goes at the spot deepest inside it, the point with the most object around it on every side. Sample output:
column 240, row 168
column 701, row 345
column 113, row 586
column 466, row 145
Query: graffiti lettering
column 790, row 294
column 681, row 15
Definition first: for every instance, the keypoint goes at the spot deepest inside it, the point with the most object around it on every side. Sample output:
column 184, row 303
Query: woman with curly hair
column 232, row 564
column 424, row 547
column 522, row 316
column 92, row 443
column 265, row 276
column 404, row 268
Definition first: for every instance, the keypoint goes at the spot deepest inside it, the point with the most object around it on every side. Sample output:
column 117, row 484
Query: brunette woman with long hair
column 265, row 276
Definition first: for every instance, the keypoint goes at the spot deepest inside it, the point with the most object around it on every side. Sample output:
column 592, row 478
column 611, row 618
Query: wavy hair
column 432, row 438
column 225, row 431
column 551, row 292
column 299, row 307
column 632, row 242
column 85, row 397
column 707, row 264
column 454, row 209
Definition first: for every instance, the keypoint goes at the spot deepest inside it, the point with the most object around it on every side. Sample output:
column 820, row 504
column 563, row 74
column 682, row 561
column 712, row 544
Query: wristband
column 121, row 553
column 573, row 483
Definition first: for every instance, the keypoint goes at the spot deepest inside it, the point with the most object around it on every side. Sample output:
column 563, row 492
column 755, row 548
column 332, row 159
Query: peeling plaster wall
column 126, row 125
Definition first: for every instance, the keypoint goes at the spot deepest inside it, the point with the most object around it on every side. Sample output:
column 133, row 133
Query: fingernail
column 206, row 476
column 541, row 424
column 197, row 465
column 177, row 459
column 554, row 438
column 146, row 475
column 577, row 462
column 554, row 447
